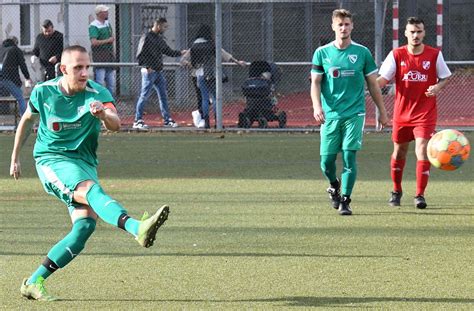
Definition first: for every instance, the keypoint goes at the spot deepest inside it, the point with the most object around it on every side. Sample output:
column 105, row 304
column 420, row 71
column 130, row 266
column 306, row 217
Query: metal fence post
column 268, row 31
column 66, row 22
column 181, row 74
column 218, row 103
column 378, row 39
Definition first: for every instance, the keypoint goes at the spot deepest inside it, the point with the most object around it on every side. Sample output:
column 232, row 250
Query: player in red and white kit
column 420, row 73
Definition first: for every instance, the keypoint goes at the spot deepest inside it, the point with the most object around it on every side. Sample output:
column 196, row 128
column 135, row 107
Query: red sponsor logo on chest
column 56, row 126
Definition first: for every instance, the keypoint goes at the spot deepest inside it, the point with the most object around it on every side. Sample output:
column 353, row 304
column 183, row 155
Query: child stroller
column 258, row 90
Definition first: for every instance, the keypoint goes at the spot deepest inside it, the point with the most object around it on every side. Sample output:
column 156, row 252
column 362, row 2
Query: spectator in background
column 48, row 48
column 150, row 58
column 203, row 59
column 198, row 121
column 12, row 58
column 102, row 45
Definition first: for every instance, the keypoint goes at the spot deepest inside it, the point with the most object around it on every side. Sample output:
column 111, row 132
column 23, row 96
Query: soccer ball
column 448, row 149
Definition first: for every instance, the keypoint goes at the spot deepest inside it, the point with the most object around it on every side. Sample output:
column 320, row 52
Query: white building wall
column 80, row 16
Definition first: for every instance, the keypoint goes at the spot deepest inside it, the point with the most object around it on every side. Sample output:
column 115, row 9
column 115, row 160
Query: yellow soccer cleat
column 148, row 227
column 36, row 291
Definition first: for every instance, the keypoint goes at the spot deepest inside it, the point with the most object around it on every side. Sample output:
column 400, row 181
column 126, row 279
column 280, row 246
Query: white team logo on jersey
column 426, row 64
column 415, row 76
column 352, row 58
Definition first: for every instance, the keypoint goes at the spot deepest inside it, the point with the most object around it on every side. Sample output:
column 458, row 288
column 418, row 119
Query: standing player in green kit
column 71, row 111
column 338, row 75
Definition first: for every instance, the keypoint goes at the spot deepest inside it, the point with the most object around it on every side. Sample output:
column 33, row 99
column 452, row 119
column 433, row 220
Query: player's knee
column 421, row 154
column 327, row 161
column 349, row 161
column 323, row 166
column 349, row 155
column 81, row 190
column 84, row 228
column 400, row 151
column 82, row 211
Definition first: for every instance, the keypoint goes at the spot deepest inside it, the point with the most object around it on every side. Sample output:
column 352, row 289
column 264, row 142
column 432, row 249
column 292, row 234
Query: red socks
column 422, row 176
column 396, row 168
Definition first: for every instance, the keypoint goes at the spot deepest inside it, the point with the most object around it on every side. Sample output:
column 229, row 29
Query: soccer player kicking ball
column 71, row 110
column 420, row 73
column 338, row 76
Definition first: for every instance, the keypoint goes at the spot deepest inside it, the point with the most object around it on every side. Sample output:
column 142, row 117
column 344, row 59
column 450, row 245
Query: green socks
column 110, row 210
column 349, row 170
column 73, row 243
column 65, row 250
column 328, row 166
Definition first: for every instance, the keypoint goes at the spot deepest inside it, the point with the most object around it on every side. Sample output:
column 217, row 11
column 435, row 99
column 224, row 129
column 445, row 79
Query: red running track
column 455, row 108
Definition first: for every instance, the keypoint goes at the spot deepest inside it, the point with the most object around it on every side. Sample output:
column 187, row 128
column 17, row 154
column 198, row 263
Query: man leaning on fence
column 12, row 58
column 102, row 45
column 150, row 52
column 48, row 48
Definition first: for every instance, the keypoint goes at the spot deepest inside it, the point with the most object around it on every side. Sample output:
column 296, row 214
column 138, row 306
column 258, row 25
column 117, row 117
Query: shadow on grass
column 302, row 301
column 414, row 212
column 334, row 301
column 222, row 254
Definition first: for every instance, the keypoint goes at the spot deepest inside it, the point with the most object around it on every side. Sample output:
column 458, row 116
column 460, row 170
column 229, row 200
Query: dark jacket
column 47, row 47
column 151, row 55
column 11, row 58
column 203, row 55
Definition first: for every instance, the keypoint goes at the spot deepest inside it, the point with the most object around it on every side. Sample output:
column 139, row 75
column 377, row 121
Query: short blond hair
column 341, row 13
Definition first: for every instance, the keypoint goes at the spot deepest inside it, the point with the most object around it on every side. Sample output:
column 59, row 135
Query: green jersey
column 343, row 84
column 101, row 31
column 66, row 126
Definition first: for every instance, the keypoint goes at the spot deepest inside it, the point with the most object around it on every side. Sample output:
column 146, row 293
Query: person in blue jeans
column 12, row 58
column 203, row 58
column 102, row 46
column 150, row 58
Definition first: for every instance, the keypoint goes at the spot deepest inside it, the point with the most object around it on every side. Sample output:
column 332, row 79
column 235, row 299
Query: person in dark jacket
column 150, row 58
column 49, row 45
column 203, row 59
column 12, row 58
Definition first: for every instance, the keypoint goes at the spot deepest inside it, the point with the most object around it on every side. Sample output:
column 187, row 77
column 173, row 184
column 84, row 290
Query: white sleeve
column 388, row 68
column 442, row 69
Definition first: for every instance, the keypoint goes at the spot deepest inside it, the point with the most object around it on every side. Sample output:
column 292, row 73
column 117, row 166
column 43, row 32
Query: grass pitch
column 250, row 228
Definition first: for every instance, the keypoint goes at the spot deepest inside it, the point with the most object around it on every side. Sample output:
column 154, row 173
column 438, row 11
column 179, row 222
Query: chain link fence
column 285, row 33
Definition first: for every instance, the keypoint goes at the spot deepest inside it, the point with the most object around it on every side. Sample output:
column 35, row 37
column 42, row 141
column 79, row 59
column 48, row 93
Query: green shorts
column 344, row 134
column 60, row 176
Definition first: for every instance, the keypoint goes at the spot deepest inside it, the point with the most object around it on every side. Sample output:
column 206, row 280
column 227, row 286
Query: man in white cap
column 102, row 44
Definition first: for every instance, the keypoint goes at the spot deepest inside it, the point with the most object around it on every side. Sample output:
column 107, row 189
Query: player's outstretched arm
column 376, row 94
column 22, row 133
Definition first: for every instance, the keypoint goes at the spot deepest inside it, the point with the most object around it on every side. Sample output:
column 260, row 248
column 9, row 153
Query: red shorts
column 403, row 134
